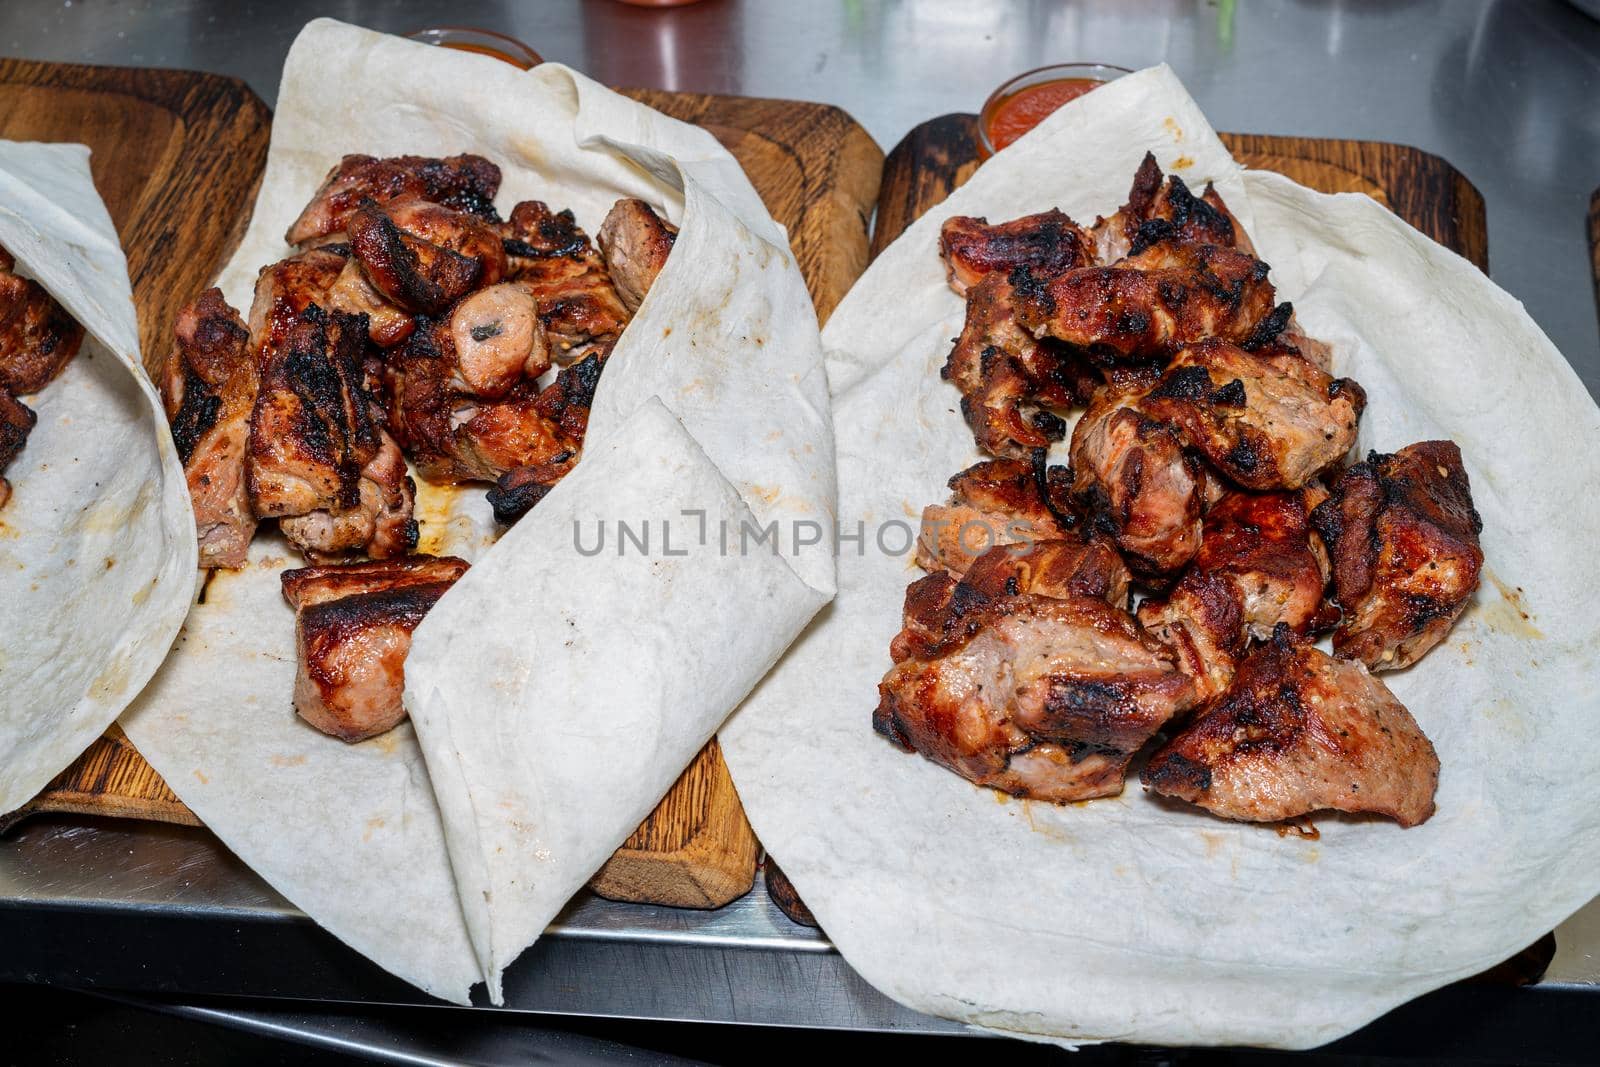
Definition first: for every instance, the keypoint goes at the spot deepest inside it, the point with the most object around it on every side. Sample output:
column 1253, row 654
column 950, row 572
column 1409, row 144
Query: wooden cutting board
column 1430, row 194
column 177, row 157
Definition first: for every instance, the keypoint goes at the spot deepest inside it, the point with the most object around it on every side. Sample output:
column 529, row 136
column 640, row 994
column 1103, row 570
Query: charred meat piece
column 312, row 428
column 37, row 336
column 1170, row 204
column 1259, row 565
column 423, row 257
column 454, row 436
column 16, row 422
column 464, row 183
column 635, row 242
column 380, row 525
column 209, row 387
column 1005, row 375
column 1047, row 244
column 1268, row 420
column 1133, row 478
column 578, row 304
column 1073, row 565
column 353, row 627
column 387, row 323
column 1403, row 535
column 1300, row 732
column 1037, row 696
column 1163, row 296
column 996, row 502
column 286, row 289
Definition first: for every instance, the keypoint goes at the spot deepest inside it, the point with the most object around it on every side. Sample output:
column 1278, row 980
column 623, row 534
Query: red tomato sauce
column 1024, row 109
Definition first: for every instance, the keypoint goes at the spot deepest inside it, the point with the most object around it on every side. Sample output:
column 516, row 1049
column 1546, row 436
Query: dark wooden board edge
column 204, row 177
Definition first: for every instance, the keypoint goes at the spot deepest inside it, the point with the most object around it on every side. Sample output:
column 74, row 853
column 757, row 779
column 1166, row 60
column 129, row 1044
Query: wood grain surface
column 177, row 157
column 940, row 154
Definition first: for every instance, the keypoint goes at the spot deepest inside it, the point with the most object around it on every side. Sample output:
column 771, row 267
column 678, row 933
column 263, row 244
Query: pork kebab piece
column 1260, row 565
column 996, row 502
column 37, row 339
column 1404, row 539
column 353, row 626
column 1024, row 677
column 1266, row 419
column 1298, row 732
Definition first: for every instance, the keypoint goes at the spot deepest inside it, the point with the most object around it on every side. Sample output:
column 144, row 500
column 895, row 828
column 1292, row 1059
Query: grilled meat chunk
column 209, row 388
column 380, row 524
column 1076, row 564
column 312, row 428
column 1268, row 420
column 996, row 502
column 353, row 627
column 1005, row 375
column 1164, row 295
column 351, row 292
column 422, row 257
column 455, row 436
column 1047, row 244
column 1132, row 477
column 578, row 304
column 464, row 183
column 1170, row 204
column 497, row 340
column 1037, row 696
column 1300, row 732
column 1259, row 565
column 1404, row 539
column 16, row 422
column 635, row 242
column 284, row 291
column 37, row 336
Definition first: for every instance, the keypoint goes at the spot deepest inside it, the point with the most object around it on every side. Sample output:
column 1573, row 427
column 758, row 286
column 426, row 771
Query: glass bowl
column 481, row 42
column 1096, row 72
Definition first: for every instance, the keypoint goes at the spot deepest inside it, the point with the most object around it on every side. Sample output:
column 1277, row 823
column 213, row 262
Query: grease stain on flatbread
column 1509, row 614
column 1170, row 124
column 288, row 761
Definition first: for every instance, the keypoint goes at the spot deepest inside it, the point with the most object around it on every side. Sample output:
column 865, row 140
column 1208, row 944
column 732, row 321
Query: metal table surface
column 1506, row 90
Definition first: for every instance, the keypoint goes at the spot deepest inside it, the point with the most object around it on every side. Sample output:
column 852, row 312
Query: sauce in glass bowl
column 1028, row 99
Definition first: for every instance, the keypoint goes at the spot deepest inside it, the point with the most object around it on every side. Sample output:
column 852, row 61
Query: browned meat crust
column 1164, row 295
column 312, row 429
column 465, row 183
column 37, row 336
column 1259, row 565
column 1039, row 696
column 996, row 502
column 578, row 304
column 16, row 422
column 1268, row 420
column 209, row 387
column 1157, row 208
column 1403, row 535
column 1005, row 375
column 353, row 627
column 1133, row 478
column 635, row 242
column 1300, row 732
column 423, row 257
column 1047, row 244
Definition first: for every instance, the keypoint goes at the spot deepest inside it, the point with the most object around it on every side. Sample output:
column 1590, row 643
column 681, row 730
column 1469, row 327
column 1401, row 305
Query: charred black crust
column 1150, row 233
column 515, row 494
column 196, row 415
column 1188, row 382
column 323, row 368
column 1231, row 395
column 1267, row 330
column 1177, row 775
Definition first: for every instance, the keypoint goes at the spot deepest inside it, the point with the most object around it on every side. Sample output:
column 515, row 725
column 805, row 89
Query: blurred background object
column 480, row 42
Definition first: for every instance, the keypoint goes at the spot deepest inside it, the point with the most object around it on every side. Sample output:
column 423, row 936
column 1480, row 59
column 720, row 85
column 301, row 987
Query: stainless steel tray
column 167, row 910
